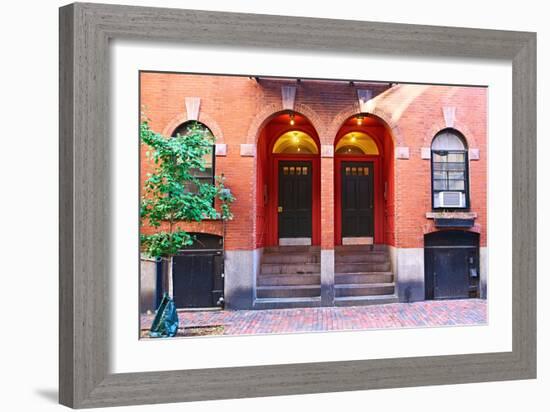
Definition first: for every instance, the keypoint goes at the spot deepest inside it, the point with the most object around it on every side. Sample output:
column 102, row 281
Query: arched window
column 449, row 171
column 206, row 175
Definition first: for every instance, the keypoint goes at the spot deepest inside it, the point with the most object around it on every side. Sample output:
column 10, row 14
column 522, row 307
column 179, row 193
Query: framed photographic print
column 256, row 205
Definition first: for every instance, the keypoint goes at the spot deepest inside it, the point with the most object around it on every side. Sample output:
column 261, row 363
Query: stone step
column 291, row 257
column 287, row 303
column 287, row 280
column 363, row 248
column 301, row 291
column 362, row 267
column 291, row 249
column 351, row 289
column 370, row 257
column 365, row 300
column 363, row 277
column 290, row 268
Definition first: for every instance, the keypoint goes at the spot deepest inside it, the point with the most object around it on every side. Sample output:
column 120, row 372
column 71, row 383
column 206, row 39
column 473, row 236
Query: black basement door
column 197, row 278
column 451, row 264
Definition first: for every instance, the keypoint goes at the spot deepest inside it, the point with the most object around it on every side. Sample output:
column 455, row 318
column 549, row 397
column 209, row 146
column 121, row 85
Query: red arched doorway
column 288, row 182
column 363, row 182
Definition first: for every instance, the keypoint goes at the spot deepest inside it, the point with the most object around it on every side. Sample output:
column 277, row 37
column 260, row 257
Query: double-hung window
column 449, row 156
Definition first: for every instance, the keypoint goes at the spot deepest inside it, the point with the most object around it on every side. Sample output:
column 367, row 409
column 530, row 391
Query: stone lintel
column 449, row 114
column 192, row 105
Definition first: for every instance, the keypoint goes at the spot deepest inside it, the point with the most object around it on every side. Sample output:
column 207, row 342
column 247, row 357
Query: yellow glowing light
column 362, row 143
column 293, row 140
column 292, row 120
column 359, row 121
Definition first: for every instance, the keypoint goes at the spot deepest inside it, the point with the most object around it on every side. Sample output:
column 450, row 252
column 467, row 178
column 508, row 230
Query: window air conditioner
column 452, row 199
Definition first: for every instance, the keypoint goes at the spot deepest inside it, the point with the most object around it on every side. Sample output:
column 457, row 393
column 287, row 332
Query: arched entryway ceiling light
column 356, row 143
column 295, row 142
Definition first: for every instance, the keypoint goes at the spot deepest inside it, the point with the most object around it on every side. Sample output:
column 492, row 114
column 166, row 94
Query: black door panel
column 357, row 199
column 295, row 199
column 451, row 273
column 451, row 260
column 198, row 277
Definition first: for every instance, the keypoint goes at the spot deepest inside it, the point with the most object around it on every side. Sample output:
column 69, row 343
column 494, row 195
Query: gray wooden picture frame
column 85, row 31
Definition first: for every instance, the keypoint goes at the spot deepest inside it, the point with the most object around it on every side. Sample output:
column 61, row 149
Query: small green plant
column 172, row 193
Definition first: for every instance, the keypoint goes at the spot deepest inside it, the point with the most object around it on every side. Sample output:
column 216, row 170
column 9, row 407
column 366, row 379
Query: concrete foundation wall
column 483, row 272
column 392, row 250
column 409, row 272
column 327, row 277
column 408, row 267
column 148, row 283
column 241, row 270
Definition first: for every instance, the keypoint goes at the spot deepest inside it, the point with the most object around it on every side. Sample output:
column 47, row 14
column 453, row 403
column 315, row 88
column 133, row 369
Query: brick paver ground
column 395, row 315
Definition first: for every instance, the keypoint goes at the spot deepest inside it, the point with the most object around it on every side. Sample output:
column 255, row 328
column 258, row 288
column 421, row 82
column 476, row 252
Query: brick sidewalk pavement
column 394, row 315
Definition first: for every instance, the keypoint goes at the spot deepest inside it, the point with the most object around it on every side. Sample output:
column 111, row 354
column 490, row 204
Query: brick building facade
column 346, row 192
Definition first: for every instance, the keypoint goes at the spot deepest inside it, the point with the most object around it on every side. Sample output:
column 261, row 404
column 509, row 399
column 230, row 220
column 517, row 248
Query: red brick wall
column 413, row 185
column 327, row 203
column 237, row 108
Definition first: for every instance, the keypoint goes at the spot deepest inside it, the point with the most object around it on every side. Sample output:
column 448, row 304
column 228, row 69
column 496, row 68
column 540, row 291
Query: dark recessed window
column 206, row 175
column 449, row 171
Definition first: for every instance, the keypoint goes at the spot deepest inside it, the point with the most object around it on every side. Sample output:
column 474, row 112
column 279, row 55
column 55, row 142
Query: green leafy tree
column 172, row 193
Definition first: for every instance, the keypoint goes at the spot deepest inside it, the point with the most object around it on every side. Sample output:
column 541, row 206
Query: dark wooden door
column 451, row 259
column 357, row 199
column 450, row 273
column 197, row 281
column 295, row 199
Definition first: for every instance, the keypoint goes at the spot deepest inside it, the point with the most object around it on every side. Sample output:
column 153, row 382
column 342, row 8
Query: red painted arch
column 268, row 179
column 273, row 237
column 378, row 195
column 378, row 132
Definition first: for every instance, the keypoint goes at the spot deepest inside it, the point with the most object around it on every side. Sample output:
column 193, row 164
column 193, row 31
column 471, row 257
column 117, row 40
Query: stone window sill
column 451, row 215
